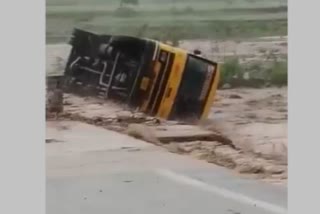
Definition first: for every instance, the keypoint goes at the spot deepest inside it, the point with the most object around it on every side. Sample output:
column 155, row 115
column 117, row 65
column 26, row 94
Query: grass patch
column 231, row 69
column 257, row 74
column 183, row 29
column 279, row 73
column 188, row 22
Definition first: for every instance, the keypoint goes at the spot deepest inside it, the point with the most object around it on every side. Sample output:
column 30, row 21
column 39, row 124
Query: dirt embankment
column 247, row 129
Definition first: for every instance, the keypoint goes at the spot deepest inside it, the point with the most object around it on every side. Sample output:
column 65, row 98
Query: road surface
column 91, row 170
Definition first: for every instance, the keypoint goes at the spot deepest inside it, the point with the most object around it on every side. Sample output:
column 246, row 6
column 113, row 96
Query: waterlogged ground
column 254, row 122
column 252, row 116
column 254, row 119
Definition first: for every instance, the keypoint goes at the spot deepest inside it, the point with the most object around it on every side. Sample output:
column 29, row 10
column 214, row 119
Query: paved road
column 95, row 171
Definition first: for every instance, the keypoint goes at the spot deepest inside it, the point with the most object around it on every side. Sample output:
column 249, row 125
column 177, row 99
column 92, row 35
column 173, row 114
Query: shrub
column 279, row 74
column 230, row 69
column 258, row 70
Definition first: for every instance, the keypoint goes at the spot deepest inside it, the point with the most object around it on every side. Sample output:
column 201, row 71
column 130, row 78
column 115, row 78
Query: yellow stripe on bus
column 173, row 83
column 156, row 70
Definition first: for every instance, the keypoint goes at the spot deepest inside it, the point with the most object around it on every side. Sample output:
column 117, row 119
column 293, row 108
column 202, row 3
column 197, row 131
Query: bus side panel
column 210, row 99
column 173, row 84
column 141, row 83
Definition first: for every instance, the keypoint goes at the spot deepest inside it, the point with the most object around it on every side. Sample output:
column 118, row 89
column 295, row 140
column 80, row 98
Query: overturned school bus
column 156, row 78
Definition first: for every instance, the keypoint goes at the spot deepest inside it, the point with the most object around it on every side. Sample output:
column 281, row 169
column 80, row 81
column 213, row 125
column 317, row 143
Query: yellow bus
column 148, row 75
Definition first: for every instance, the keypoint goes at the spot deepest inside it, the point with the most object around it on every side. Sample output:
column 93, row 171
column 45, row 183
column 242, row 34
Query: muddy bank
column 249, row 127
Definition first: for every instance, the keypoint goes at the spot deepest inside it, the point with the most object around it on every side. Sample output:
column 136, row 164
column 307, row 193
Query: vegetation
column 176, row 20
column 202, row 29
column 259, row 74
column 231, row 69
column 206, row 19
column 128, row 2
column 279, row 74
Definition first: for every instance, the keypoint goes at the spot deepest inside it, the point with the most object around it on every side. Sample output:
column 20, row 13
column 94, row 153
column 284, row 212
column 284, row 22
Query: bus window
column 194, row 88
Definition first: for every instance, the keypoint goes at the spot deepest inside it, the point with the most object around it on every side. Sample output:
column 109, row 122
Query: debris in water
column 53, row 141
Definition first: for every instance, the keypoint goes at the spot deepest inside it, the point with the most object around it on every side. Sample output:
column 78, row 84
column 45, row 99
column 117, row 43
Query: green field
column 164, row 4
column 168, row 19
